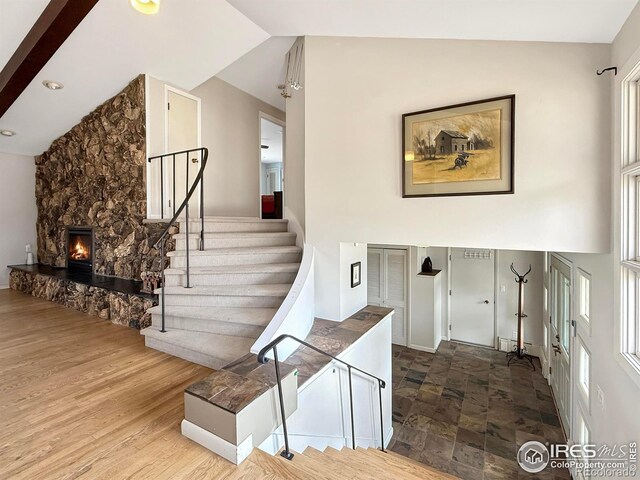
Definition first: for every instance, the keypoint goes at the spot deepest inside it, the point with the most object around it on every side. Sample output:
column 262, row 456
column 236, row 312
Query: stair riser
column 244, row 259
column 222, row 301
column 189, row 355
column 229, row 279
column 236, row 242
column 208, row 326
column 235, row 227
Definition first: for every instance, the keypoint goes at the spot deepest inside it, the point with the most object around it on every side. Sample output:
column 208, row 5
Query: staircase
column 369, row 464
column 236, row 285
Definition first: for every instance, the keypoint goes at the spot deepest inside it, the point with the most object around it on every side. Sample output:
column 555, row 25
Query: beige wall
column 294, row 166
column 17, row 211
column 356, row 91
column 628, row 39
column 230, row 130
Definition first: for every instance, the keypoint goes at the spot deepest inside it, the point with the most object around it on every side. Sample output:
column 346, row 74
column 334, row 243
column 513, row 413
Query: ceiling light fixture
column 51, row 85
column 148, row 7
column 7, row 133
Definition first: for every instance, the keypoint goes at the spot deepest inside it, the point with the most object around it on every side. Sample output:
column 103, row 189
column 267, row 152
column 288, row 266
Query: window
column 629, row 335
column 584, row 435
column 584, row 372
column 584, row 300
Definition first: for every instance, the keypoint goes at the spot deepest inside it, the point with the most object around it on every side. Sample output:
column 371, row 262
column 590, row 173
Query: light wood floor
column 83, row 398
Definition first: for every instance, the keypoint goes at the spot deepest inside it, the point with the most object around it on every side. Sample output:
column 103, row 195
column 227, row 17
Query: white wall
column 618, row 421
column 425, row 303
column 507, row 301
column 17, row 211
column 294, row 165
column 356, row 90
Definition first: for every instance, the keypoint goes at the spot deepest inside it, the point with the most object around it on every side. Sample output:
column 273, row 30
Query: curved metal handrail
column 262, row 358
column 273, row 345
column 204, row 156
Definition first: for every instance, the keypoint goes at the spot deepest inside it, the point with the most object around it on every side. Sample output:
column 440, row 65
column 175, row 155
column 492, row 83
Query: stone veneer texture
column 120, row 308
column 94, row 175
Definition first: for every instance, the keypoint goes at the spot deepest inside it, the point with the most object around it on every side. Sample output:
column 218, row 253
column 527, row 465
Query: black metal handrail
column 160, row 243
column 273, row 345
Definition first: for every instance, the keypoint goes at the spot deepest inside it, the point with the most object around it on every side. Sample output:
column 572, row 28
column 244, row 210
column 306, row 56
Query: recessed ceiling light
column 51, row 85
column 7, row 133
column 148, row 7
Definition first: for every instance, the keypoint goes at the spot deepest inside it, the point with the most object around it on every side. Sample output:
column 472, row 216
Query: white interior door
column 560, row 333
column 387, row 286
column 182, row 134
column 273, row 180
column 472, row 299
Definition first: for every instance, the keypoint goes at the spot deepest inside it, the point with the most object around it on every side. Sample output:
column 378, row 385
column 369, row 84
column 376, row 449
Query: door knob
column 487, row 302
column 558, row 337
column 194, row 160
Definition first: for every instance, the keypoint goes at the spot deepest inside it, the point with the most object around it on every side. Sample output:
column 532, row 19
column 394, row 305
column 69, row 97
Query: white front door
column 387, row 286
column 472, row 298
column 560, row 338
column 182, row 134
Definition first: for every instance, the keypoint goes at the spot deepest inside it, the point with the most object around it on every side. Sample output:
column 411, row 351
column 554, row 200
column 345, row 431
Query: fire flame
column 80, row 251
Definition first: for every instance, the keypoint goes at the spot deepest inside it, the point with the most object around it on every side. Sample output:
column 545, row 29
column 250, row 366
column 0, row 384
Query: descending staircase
column 237, row 283
column 366, row 464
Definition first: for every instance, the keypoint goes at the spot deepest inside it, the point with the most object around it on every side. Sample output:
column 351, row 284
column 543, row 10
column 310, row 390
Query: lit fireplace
column 79, row 251
column 80, row 248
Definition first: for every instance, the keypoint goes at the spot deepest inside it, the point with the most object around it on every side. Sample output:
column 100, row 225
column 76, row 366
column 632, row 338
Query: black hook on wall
column 615, row 70
column 520, row 278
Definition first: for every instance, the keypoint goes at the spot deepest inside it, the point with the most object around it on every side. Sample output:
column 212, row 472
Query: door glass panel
column 554, row 298
column 566, row 313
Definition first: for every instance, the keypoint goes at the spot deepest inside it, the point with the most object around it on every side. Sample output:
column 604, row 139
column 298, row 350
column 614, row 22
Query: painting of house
column 451, row 141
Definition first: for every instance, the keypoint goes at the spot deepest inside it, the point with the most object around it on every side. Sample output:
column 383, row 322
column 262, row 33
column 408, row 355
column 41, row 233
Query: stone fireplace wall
column 94, row 175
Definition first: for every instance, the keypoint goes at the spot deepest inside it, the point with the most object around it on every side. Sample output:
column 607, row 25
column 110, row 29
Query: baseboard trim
column 236, row 454
column 422, row 349
column 387, row 440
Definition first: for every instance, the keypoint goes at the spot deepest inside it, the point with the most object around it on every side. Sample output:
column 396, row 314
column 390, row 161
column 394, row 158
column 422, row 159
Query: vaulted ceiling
column 186, row 43
column 190, row 41
column 590, row 21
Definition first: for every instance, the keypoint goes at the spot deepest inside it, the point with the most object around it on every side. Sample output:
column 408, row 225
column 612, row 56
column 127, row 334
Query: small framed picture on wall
column 356, row 270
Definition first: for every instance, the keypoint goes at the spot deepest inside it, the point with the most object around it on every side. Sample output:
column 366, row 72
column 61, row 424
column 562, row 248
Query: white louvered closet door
column 387, row 286
column 375, row 276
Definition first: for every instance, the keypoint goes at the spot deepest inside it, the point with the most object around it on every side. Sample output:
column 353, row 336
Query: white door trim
column 283, row 124
column 572, row 362
column 177, row 91
column 496, row 294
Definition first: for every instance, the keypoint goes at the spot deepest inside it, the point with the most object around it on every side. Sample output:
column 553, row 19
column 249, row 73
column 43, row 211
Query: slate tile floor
column 464, row 412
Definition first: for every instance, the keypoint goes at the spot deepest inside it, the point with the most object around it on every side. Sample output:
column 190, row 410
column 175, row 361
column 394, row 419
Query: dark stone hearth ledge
column 113, row 284
column 235, row 386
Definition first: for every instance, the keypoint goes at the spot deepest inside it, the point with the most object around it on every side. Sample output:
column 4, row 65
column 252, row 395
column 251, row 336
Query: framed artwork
column 464, row 149
column 356, row 270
